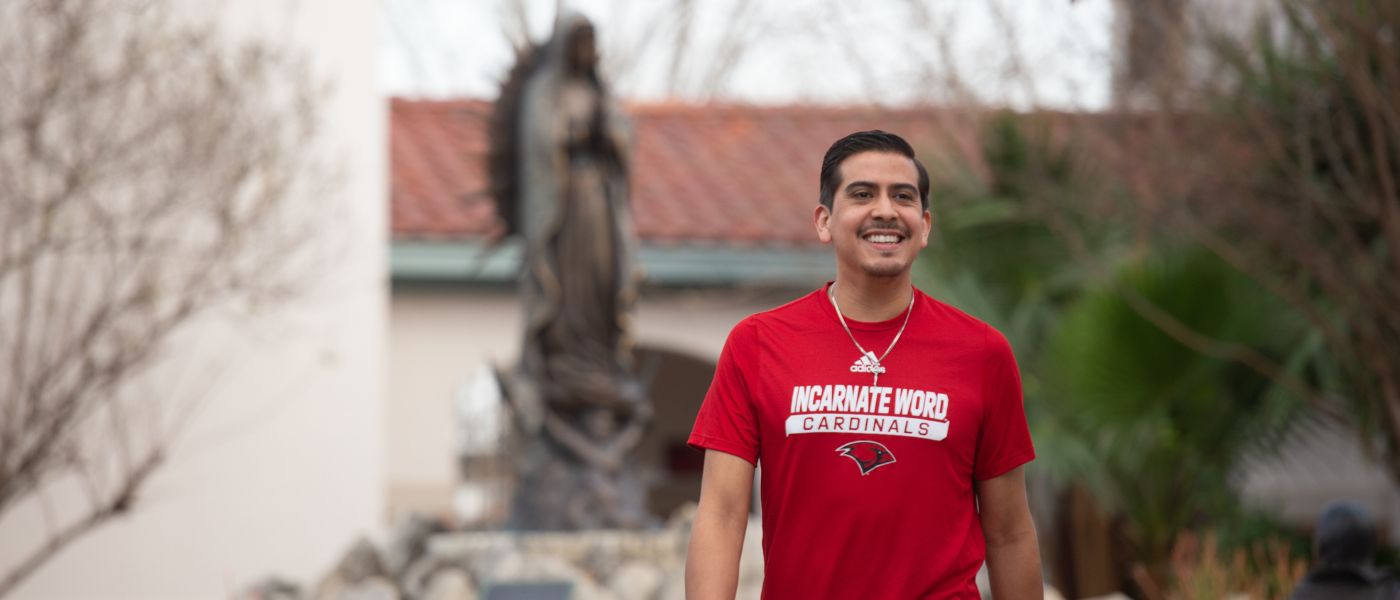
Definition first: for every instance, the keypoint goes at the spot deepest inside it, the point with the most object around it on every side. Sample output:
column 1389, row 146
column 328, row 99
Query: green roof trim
column 473, row 262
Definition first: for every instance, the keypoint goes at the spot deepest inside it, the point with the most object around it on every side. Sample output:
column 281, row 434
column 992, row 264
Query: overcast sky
column 892, row 52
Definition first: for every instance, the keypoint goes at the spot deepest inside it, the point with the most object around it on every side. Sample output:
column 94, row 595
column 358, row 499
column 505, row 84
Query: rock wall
column 421, row 561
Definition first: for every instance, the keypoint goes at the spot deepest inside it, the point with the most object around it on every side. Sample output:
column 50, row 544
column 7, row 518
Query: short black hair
column 866, row 141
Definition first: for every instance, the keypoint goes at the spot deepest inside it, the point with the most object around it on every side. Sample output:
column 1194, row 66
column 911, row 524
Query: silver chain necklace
column 867, row 361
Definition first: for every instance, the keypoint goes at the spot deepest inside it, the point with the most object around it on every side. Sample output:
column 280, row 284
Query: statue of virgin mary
column 574, row 392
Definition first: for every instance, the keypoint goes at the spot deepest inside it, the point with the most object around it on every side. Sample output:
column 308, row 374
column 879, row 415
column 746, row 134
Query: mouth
column 884, row 239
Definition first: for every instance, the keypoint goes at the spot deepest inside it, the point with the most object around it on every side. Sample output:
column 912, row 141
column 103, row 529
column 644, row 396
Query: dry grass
column 1266, row 570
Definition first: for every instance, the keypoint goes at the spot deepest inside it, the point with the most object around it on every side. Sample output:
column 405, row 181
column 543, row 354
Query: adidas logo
column 867, row 364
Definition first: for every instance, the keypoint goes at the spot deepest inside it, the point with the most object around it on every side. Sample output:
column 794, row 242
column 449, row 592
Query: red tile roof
column 701, row 175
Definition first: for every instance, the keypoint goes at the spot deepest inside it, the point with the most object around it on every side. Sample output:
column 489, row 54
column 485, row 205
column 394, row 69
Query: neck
column 873, row 300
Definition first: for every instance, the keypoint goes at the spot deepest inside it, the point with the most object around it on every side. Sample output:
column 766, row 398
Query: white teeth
column 882, row 239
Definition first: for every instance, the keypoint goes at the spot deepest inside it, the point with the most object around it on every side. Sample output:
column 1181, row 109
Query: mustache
column 878, row 225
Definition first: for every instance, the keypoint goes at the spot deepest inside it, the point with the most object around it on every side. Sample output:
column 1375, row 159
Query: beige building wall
column 281, row 468
column 439, row 337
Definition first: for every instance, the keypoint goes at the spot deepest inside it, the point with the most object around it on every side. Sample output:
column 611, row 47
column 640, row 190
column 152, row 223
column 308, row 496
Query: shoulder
column 948, row 315
column 797, row 312
column 954, row 320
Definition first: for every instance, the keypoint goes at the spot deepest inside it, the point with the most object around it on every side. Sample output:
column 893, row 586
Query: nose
column 884, row 207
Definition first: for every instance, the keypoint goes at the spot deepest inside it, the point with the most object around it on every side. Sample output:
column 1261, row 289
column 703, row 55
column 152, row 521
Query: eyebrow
column 898, row 186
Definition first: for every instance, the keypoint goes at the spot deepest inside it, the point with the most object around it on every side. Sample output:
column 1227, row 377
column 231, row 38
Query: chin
column 885, row 269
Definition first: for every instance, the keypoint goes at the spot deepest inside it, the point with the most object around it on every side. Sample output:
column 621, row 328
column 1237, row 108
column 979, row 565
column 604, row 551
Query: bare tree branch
column 680, row 45
column 160, row 173
column 116, row 505
column 1298, row 184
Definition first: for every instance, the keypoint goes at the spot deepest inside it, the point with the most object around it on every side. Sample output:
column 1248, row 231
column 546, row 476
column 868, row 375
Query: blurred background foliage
column 1150, row 426
column 1235, row 288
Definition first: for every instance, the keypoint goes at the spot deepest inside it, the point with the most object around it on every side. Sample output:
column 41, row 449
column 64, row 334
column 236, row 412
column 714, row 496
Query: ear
column 821, row 219
column 928, row 226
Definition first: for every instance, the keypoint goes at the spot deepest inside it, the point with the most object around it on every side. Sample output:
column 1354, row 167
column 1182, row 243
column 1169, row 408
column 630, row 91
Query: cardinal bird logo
column 867, row 454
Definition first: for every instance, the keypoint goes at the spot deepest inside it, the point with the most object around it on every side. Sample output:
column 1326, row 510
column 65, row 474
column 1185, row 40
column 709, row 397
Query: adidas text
column 867, row 364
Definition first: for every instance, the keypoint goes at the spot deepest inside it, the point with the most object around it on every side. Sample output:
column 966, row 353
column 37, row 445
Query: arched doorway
column 677, row 382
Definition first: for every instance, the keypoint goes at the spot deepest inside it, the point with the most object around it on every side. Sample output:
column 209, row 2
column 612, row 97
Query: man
column 889, row 475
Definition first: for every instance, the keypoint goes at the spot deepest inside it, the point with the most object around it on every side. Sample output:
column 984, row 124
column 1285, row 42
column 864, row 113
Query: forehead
column 884, row 168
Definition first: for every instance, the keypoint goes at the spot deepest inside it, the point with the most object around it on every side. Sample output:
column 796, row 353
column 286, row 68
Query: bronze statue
column 559, row 157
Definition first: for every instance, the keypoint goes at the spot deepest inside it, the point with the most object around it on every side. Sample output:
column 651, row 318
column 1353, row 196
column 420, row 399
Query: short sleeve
column 1004, row 441
column 727, row 421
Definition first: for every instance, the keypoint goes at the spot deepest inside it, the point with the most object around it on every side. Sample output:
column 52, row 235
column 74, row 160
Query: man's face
column 876, row 222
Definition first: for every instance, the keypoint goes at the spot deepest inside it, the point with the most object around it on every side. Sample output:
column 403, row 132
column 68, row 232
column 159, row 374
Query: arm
column 1013, row 554
column 717, row 536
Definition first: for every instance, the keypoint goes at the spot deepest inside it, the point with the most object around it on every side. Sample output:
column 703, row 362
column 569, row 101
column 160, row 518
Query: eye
column 865, row 194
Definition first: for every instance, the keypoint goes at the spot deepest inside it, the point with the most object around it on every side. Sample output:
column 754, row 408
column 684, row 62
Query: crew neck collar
column 824, row 298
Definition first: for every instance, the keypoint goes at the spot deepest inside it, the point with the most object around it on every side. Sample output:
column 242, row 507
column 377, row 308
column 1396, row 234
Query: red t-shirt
column 867, row 488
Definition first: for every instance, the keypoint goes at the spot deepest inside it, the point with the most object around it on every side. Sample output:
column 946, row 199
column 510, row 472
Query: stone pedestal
column 598, row 565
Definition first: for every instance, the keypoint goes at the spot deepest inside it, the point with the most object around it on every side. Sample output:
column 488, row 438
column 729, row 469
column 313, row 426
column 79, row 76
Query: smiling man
column 889, row 426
